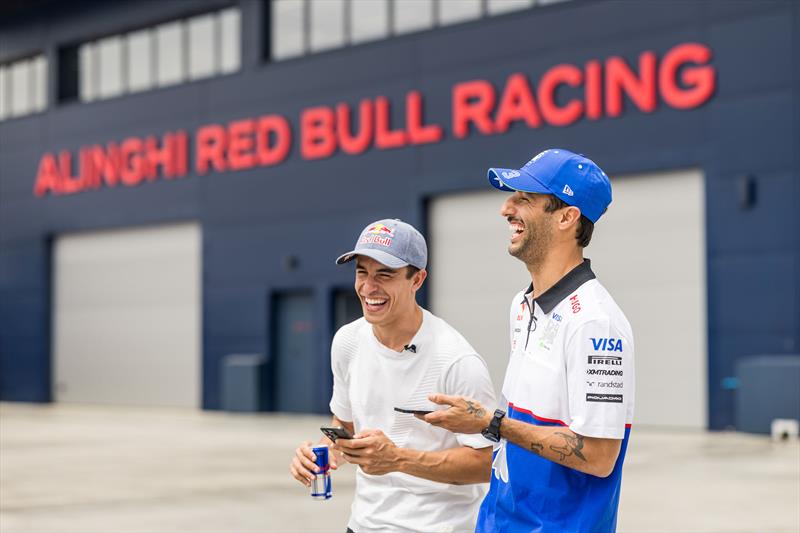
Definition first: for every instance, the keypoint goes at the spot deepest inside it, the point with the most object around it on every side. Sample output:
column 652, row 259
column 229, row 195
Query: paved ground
column 92, row 469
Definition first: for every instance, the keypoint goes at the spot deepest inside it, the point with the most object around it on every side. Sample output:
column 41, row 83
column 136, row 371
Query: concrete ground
column 100, row 469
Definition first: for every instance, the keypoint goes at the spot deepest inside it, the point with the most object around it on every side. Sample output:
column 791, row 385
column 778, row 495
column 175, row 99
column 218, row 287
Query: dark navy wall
column 313, row 210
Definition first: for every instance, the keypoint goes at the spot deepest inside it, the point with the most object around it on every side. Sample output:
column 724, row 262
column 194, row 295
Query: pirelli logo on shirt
column 611, row 360
column 608, row 398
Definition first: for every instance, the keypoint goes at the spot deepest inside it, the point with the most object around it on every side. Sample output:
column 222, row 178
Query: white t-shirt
column 369, row 381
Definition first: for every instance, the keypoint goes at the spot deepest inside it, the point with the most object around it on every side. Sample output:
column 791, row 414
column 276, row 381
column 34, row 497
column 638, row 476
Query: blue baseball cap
column 391, row 242
column 573, row 178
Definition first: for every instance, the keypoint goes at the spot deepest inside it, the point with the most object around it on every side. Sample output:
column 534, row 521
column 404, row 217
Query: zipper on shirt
column 531, row 320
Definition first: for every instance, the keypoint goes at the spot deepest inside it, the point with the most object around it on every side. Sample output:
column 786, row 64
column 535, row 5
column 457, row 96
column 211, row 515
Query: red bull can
column 321, row 485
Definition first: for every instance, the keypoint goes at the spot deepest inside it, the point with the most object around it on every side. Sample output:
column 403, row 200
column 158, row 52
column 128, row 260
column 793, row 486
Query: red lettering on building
column 385, row 136
column 130, row 162
column 241, row 144
column 318, row 138
column 593, row 90
column 517, row 103
column 641, row 88
column 273, row 139
column 47, row 177
column 682, row 79
column 698, row 77
column 102, row 163
column 180, row 154
column 133, row 162
column 350, row 142
column 418, row 131
column 210, row 146
column 69, row 184
column 473, row 102
column 553, row 113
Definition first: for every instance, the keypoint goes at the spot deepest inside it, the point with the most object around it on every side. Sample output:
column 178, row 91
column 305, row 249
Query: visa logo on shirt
column 609, row 344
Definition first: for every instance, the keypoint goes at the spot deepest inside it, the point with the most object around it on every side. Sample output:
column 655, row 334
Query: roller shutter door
column 127, row 316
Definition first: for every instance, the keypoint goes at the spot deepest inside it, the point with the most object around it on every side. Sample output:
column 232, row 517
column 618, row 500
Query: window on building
column 453, row 12
column 230, row 40
column 109, row 67
column 369, row 20
column 288, row 29
column 87, row 61
column 202, row 32
column 170, row 53
column 498, row 7
column 23, row 87
column 3, row 92
column 327, row 24
column 140, row 60
column 39, row 66
column 299, row 27
column 412, row 15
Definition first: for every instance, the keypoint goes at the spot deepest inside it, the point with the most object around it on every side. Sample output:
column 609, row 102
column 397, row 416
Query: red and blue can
column 321, row 485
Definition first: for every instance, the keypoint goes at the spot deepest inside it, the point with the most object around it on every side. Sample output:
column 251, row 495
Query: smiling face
column 532, row 227
column 387, row 295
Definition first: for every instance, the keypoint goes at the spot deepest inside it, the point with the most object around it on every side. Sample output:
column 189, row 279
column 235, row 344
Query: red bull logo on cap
column 377, row 234
column 380, row 229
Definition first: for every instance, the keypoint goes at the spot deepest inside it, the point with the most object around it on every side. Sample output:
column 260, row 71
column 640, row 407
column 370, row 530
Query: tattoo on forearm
column 573, row 444
column 479, row 412
column 537, row 448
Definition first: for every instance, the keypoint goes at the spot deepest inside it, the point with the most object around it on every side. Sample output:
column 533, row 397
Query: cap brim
column 378, row 255
column 511, row 180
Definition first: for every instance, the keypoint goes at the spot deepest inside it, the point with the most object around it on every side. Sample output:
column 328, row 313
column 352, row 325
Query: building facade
column 176, row 179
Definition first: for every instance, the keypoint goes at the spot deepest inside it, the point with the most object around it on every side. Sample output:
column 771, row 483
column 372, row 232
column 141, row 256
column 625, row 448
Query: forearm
column 563, row 446
column 341, row 423
column 456, row 466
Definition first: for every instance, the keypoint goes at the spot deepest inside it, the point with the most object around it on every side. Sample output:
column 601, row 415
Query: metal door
column 296, row 369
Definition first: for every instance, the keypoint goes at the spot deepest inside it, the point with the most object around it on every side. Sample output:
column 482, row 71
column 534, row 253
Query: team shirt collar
column 563, row 287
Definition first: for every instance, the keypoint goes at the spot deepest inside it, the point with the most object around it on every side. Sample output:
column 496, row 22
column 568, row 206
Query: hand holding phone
column 335, row 432
column 412, row 411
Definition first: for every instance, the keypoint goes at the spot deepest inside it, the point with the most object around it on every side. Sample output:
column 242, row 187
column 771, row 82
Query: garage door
column 648, row 250
column 127, row 316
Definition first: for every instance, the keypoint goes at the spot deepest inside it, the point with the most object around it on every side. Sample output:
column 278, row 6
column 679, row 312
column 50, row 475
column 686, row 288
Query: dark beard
column 533, row 248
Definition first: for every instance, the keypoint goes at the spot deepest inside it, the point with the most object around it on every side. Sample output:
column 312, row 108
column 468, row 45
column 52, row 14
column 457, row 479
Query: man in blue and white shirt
column 570, row 380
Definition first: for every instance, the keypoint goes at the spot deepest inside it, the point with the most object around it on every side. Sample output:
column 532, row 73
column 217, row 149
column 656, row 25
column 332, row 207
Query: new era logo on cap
column 571, row 177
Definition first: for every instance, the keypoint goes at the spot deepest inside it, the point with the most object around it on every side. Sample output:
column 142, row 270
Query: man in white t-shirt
column 411, row 476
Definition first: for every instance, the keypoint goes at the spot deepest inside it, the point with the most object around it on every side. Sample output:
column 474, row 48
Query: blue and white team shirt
column 571, row 365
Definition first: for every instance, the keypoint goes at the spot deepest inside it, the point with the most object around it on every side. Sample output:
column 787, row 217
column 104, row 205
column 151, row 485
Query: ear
column 569, row 217
column 419, row 279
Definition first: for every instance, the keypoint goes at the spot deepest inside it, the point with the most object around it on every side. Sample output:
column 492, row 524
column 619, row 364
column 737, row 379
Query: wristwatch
column 492, row 431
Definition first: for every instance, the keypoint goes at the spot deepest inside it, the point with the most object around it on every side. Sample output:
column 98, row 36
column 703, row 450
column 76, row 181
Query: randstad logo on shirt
column 609, row 344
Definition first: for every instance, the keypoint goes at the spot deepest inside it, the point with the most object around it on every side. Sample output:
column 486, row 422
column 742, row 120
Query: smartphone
column 336, row 432
column 412, row 411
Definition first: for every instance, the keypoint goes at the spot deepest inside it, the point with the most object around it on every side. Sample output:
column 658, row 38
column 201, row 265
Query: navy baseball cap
column 391, row 242
column 573, row 178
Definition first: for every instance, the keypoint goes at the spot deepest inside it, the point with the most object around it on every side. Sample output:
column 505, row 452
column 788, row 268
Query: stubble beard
column 533, row 247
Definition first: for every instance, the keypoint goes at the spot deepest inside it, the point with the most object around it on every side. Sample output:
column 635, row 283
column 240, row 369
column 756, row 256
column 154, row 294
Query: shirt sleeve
column 600, row 379
column 343, row 348
column 469, row 377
